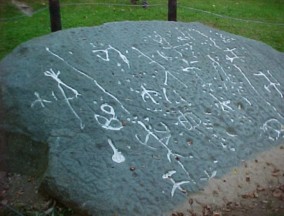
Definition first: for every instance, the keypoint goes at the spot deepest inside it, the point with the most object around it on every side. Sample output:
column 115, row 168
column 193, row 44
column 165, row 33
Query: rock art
column 180, row 102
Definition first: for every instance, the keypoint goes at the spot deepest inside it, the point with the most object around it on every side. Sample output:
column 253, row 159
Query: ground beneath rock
column 19, row 195
column 256, row 188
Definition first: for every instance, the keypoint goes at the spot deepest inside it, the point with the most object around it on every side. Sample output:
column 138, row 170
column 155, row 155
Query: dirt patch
column 20, row 193
column 19, row 196
column 254, row 188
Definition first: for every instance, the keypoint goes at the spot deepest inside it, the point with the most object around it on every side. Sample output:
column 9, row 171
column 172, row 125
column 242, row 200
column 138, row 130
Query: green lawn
column 16, row 28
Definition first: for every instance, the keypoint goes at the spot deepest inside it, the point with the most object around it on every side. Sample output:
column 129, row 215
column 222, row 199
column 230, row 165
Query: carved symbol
column 149, row 133
column 60, row 85
column 110, row 124
column 165, row 94
column 271, row 83
column 273, row 127
column 213, row 174
column 39, row 100
column 106, row 54
column 218, row 68
column 176, row 185
column 166, row 134
column 117, row 156
column 147, row 94
column 235, row 56
column 164, row 56
column 188, row 120
column 222, row 104
column 152, row 61
column 164, row 140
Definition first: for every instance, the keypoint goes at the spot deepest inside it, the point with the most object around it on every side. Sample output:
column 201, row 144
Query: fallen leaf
column 214, row 192
column 191, row 212
column 4, row 202
column 46, row 204
column 276, row 172
column 226, row 209
column 206, row 211
column 259, row 188
column 277, row 193
column 20, row 192
column 250, row 195
column 229, row 204
column 51, row 209
column 281, row 187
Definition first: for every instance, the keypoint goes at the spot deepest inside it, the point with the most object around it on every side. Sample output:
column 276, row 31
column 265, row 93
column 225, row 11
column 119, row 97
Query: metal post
column 55, row 18
column 172, row 10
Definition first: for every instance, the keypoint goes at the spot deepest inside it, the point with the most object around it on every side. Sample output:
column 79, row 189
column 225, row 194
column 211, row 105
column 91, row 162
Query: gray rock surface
column 137, row 115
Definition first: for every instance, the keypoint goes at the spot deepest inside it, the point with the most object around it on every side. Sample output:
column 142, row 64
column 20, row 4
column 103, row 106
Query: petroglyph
column 183, row 92
column 39, row 100
column 106, row 54
column 147, row 94
column 272, row 84
column 111, row 123
column 189, row 120
column 117, row 156
column 176, row 185
column 273, row 128
column 60, row 85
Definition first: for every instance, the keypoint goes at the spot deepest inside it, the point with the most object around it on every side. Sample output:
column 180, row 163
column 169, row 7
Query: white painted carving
column 165, row 94
column 147, row 137
column 39, row 100
column 111, row 123
column 272, row 84
column 209, row 176
column 147, row 94
column 222, row 104
column 189, row 120
column 89, row 77
column 176, row 185
column 163, row 55
column 106, row 54
column 112, row 96
column 234, row 55
column 117, row 156
column 54, row 96
column 152, row 61
column 60, row 85
column 272, row 125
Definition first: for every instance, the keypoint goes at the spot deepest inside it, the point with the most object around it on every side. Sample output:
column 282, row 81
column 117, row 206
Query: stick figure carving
column 110, row 124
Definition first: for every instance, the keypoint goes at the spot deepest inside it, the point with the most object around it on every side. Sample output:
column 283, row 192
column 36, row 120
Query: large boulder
column 137, row 115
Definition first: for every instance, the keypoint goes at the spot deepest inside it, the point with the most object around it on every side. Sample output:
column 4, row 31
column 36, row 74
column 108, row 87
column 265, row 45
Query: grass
column 17, row 28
